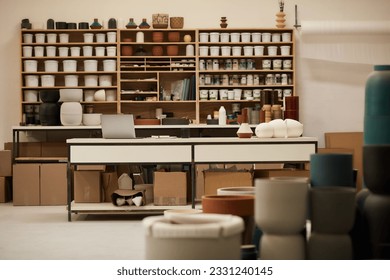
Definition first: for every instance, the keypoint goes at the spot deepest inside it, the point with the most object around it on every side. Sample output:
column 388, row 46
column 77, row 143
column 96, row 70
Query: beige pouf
column 193, row 237
column 280, row 212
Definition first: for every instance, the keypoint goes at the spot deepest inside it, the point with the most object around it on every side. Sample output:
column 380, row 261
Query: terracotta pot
column 158, row 36
column 146, row 121
column 172, row 50
column 173, row 36
column 157, row 51
column 127, row 50
column 240, row 205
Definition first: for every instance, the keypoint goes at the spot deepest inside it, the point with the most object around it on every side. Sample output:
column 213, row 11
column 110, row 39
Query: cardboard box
column 352, row 141
column 170, row 188
column 5, row 189
column 53, row 184
column 110, row 184
column 91, row 167
column 87, row 186
column 26, row 182
column 215, row 179
column 5, row 163
column 54, row 149
column 30, row 149
column 266, row 173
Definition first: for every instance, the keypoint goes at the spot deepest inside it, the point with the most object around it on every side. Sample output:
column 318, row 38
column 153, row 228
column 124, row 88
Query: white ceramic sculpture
column 264, row 130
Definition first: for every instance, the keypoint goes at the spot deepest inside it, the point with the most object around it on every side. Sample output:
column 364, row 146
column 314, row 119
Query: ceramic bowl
column 92, row 119
column 49, row 96
column 240, row 205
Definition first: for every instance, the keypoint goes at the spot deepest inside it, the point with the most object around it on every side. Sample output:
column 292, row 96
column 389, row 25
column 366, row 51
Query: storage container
column 90, row 65
column 51, row 66
column 70, row 65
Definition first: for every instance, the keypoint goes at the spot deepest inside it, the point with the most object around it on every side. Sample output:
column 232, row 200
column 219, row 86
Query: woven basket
column 177, row 22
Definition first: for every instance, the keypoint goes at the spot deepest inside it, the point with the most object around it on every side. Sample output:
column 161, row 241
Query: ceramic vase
column 95, row 24
column 131, row 24
column 144, row 24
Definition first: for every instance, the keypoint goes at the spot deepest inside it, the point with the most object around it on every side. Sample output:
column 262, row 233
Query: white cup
column 51, row 50
column 256, row 37
column 91, row 81
column 234, row 37
column 27, row 38
column 89, row 95
column 277, row 64
column 237, row 93
column 87, row 50
column 100, row 37
column 70, row 65
column 236, row 50
column 105, row 80
column 276, row 37
column 204, row 94
column 48, row 80
column 40, row 38
column 109, row 65
column 259, row 50
column 30, row 66
column 248, row 51
column 286, row 37
column 75, row 51
column 88, row 37
column 203, row 50
column 64, row 38
column 99, row 51
column 285, row 50
column 224, row 37
column 203, row 37
column 111, row 51
column 51, row 66
column 30, row 95
column 38, row 51
column 111, row 95
column 266, row 37
column 31, row 80
column 27, row 51
column 63, row 51
column 71, row 80
column 111, row 37
column 272, row 50
column 52, row 38
column 214, row 37
column 245, row 37
column 90, row 65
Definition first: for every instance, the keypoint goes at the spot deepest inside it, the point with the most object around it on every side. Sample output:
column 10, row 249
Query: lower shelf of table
column 109, row 208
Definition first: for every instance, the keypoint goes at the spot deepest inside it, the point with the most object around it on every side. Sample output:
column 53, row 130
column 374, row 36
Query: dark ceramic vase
column 49, row 114
column 50, row 24
column 112, row 23
column 49, row 96
column 377, row 106
column 131, row 24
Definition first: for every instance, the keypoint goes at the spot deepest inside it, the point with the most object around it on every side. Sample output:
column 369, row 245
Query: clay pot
column 172, row 50
column 157, row 51
column 173, row 36
column 127, row 50
column 146, row 121
column 240, row 205
column 157, row 36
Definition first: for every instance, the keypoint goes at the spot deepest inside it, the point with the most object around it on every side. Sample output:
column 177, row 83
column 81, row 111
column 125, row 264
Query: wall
column 331, row 93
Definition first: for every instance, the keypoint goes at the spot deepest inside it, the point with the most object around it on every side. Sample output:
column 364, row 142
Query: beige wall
column 332, row 94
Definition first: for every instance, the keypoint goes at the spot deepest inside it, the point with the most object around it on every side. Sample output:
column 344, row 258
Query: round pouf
column 376, row 166
column 377, row 215
column 332, row 209
column 239, row 205
column 331, row 170
column 197, row 237
column 329, row 247
column 280, row 212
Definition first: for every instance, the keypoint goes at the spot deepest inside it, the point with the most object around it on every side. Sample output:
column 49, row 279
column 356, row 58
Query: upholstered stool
column 193, row 237
column 331, row 170
column 332, row 215
column 280, row 212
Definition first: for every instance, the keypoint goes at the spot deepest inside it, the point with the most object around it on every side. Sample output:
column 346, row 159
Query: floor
column 44, row 233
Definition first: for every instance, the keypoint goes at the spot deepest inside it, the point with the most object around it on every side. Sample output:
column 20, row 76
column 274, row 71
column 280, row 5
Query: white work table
column 190, row 151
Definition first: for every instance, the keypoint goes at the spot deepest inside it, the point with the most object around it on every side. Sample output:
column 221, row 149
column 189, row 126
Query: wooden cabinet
column 185, row 73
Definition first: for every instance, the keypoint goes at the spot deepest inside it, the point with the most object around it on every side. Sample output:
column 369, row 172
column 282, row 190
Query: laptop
column 118, row 126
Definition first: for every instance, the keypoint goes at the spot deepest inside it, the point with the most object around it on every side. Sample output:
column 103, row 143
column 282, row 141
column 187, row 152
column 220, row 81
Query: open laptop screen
column 118, row 126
